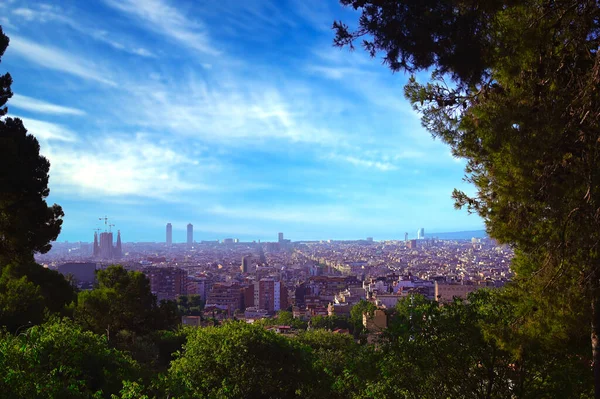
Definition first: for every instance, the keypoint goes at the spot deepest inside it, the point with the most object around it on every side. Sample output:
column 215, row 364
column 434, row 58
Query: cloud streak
column 229, row 111
column 381, row 165
column 43, row 107
column 162, row 18
column 58, row 60
column 48, row 131
column 45, row 13
column 123, row 166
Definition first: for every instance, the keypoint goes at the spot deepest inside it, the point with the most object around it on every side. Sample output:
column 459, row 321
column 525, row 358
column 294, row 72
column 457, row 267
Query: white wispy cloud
column 125, row 166
column 162, row 18
column 334, row 72
column 258, row 21
column 363, row 75
column 381, row 165
column 39, row 106
column 47, row 131
column 142, row 52
column 317, row 13
column 58, row 60
column 26, row 13
column 109, row 38
column 232, row 111
column 5, row 22
column 46, row 13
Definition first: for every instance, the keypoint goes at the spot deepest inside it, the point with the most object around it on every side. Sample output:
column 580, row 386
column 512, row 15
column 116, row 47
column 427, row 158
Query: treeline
column 115, row 344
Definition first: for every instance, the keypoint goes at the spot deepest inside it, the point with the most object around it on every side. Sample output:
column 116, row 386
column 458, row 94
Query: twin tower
column 190, row 234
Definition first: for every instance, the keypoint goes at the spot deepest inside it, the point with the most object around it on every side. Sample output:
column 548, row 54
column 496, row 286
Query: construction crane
column 105, row 218
column 110, row 226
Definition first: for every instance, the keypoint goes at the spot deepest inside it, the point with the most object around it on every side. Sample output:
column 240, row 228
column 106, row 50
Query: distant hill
column 458, row 235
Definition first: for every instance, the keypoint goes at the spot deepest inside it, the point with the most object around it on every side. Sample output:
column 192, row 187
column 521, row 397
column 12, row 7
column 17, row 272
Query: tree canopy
column 514, row 90
column 122, row 301
column 452, row 36
column 239, row 360
column 27, row 223
column 60, row 360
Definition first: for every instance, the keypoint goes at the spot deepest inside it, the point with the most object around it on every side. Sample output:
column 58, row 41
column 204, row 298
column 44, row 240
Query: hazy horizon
column 180, row 237
column 244, row 121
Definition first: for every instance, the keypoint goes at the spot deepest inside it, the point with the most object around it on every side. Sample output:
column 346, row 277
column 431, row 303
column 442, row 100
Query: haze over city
column 243, row 121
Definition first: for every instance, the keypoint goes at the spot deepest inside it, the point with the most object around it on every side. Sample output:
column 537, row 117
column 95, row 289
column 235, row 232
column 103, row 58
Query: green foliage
column 475, row 348
column 131, row 390
column 453, row 36
column 442, row 346
column 239, row 360
column 284, row 318
column 21, row 302
column 28, row 292
column 59, row 360
column 27, row 223
column 331, row 323
column 124, row 310
column 123, row 301
column 524, row 111
column 466, row 349
column 153, row 351
column 55, row 289
column 345, row 368
column 190, row 305
column 356, row 316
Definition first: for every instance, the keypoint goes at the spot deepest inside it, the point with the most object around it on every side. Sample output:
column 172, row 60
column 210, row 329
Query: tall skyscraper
column 118, row 249
column 96, row 245
column 421, row 234
column 169, row 234
column 245, row 263
column 280, row 237
column 190, row 234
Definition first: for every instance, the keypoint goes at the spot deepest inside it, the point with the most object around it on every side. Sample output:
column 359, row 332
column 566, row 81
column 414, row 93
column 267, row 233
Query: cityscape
column 307, row 199
column 253, row 280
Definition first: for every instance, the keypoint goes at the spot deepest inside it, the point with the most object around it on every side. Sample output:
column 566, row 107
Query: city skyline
column 167, row 116
column 279, row 237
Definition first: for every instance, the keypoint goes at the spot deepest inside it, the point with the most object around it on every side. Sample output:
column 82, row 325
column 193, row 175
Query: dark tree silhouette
column 452, row 36
column 27, row 223
column 5, row 80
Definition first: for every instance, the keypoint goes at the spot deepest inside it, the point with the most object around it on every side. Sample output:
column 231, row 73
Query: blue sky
column 237, row 116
